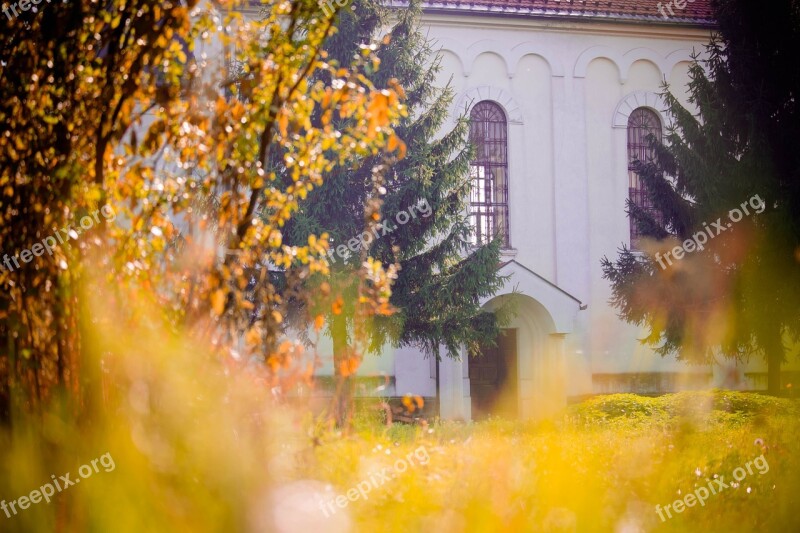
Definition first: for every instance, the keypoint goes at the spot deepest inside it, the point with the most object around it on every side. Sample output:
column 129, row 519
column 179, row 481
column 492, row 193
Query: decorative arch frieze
column 502, row 97
column 636, row 100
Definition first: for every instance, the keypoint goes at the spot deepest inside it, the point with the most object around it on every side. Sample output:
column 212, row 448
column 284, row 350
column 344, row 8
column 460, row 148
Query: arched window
column 488, row 203
column 641, row 123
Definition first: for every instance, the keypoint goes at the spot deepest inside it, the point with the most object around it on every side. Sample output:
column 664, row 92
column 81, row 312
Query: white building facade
column 567, row 81
column 565, row 91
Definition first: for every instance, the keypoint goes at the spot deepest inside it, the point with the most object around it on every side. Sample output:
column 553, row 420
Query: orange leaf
column 396, row 87
column 378, row 112
column 349, row 366
column 283, row 123
column 337, row 306
column 218, row 301
column 253, row 336
column 285, row 347
column 408, row 403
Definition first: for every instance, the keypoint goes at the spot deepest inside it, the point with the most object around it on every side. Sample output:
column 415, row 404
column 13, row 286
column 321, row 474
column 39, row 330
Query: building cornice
column 488, row 21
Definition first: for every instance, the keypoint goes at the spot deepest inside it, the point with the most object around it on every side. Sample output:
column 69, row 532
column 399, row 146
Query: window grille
column 489, row 173
column 641, row 123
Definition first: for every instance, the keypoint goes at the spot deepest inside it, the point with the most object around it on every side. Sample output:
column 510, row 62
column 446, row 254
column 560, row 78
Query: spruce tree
column 441, row 276
column 739, row 295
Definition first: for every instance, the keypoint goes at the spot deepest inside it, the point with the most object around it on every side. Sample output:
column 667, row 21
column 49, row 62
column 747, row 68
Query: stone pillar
column 555, row 373
column 454, row 388
column 571, row 186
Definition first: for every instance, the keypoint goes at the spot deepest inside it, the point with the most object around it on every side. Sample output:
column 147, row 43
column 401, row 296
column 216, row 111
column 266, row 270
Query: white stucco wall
column 561, row 84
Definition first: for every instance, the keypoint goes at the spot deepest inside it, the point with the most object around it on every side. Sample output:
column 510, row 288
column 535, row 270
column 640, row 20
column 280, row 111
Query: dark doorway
column 493, row 378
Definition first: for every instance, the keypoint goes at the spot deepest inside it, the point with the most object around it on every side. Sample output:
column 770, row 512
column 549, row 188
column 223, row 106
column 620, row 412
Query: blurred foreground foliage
column 201, row 447
column 603, row 467
column 197, row 443
column 170, row 114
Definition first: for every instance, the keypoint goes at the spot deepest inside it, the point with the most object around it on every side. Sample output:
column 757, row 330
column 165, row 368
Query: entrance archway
column 493, row 378
column 523, row 375
column 543, row 315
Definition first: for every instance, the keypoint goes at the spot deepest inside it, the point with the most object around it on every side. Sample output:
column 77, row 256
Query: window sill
column 505, row 253
column 508, row 253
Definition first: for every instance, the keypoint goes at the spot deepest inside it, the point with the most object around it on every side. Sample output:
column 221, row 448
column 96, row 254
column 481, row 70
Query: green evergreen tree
column 442, row 277
column 740, row 294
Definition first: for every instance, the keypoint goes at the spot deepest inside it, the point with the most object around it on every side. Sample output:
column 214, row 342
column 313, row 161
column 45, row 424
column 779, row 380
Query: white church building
column 561, row 95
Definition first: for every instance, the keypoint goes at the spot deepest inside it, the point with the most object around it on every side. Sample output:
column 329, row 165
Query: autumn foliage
column 179, row 116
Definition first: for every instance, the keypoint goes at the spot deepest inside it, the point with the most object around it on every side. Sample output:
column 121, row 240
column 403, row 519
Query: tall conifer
column 740, row 294
column 442, row 277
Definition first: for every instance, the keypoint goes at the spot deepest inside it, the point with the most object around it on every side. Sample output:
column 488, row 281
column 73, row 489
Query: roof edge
column 548, row 282
column 441, row 7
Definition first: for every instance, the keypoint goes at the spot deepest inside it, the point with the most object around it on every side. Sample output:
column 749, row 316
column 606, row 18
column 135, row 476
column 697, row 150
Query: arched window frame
column 642, row 122
column 488, row 206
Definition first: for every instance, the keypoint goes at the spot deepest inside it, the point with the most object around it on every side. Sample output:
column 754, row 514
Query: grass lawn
column 604, row 467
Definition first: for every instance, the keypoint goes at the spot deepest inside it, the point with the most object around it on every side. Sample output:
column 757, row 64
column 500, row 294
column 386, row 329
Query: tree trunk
column 7, row 391
column 774, row 354
column 343, row 396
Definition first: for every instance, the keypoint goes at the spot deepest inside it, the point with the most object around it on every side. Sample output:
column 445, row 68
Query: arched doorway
column 543, row 315
column 523, row 374
column 493, row 378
